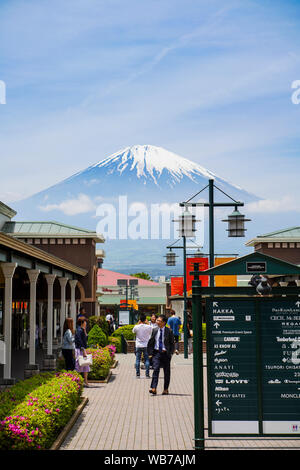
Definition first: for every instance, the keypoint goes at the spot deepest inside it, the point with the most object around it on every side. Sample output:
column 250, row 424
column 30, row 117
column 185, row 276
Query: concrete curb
column 105, row 381
column 60, row 439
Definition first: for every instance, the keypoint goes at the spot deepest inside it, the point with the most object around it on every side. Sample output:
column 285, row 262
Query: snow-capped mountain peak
column 150, row 161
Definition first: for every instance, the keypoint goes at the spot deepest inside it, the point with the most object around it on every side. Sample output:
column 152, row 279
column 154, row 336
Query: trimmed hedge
column 100, row 321
column 125, row 330
column 97, row 337
column 116, row 341
column 34, row 411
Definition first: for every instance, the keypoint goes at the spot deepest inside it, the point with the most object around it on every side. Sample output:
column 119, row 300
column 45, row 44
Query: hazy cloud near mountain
column 210, row 81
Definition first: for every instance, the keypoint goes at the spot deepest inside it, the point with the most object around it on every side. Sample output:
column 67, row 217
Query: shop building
column 47, row 270
column 151, row 296
column 283, row 244
column 73, row 244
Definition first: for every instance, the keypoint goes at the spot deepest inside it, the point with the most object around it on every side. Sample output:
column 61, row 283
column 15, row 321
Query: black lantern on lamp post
column 235, row 220
column 236, row 224
column 171, row 258
column 187, row 229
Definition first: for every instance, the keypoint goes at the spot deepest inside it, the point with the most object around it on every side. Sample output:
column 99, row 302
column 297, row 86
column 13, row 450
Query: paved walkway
column 122, row 415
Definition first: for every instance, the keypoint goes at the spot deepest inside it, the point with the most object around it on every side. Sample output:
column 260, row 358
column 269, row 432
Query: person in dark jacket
column 161, row 347
column 80, row 348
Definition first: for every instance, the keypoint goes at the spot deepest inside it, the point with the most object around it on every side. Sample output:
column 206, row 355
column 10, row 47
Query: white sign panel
column 123, row 317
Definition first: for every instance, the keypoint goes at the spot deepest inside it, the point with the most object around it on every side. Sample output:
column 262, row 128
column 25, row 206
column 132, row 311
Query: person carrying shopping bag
column 80, row 348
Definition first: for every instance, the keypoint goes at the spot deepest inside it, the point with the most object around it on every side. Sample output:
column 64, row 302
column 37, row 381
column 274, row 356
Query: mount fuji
column 143, row 174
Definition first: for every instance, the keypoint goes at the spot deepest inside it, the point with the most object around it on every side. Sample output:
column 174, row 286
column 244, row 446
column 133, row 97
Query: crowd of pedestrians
column 156, row 342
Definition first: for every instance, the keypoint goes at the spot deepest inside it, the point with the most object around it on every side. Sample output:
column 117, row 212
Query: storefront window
column 1, row 312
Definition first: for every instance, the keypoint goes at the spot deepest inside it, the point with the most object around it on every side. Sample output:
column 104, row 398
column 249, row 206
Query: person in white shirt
column 143, row 332
column 110, row 320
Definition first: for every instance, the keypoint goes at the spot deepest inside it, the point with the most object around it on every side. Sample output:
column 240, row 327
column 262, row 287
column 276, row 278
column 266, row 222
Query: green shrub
column 100, row 321
column 125, row 330
column 102, row 361
column 97, row 337
column 115, row 341
column 34, row 411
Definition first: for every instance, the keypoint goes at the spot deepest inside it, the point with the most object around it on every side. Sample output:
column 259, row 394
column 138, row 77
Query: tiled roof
column 109, row 278
column 5, row 210
column 293, row 232
column 285, row 235
column 44, row 229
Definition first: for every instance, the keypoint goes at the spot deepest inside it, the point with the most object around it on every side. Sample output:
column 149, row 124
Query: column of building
column 63, row 283
column 32, row 367
column 8, row 270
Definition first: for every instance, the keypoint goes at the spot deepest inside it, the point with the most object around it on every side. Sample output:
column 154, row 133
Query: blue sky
column 210, row 81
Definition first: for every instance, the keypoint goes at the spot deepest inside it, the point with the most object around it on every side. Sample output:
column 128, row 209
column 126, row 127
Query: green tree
column 97, row 337
column 142, row 276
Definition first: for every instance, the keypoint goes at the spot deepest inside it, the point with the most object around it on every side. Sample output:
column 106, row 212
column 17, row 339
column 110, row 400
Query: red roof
column 109, row 278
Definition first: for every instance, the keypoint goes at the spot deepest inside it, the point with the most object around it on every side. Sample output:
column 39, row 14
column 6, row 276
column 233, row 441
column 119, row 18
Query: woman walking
column 80, row 348
column 68, row 344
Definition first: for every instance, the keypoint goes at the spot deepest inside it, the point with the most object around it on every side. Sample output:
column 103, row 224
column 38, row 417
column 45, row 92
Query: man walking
column 174, row 323
column 161, row 347
column 143, row 332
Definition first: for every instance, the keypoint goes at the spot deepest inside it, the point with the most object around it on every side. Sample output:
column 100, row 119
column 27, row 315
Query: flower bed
column 102, row 361
column 34, row 411
column 115, row 342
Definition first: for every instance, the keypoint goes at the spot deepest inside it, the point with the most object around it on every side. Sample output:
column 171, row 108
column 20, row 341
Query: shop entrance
column 20, row 325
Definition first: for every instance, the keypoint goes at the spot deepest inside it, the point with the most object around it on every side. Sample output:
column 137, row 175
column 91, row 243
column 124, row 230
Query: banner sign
column 203, row 265
column 225, row 281
column 176, row 285
column 130, row 303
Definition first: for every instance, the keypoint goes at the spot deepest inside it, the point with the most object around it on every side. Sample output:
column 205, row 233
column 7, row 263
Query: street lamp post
column 236, row 220
column 236, row 228
column 171, row 261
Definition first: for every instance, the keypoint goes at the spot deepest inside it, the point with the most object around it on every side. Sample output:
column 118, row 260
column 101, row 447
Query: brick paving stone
column 122, row 414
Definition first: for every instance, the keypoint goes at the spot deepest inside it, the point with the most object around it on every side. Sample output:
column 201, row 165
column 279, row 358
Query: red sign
column 176, row 285
column 203, row 265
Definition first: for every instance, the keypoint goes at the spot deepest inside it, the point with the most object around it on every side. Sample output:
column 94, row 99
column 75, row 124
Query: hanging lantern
column 187, row 222
column 198, row 254
column 236, row 224
column 170, row 258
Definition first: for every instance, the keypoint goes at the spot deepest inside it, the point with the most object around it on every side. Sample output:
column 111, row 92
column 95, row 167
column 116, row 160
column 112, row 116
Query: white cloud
column 80, row 205
column 284, row 204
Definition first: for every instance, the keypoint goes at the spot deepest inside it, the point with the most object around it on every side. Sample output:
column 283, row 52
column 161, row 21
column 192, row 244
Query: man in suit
column 161, row 347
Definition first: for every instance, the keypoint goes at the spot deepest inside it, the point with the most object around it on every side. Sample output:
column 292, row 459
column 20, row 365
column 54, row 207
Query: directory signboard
column 253, row 366
column 280, row 354
column 232, row 367
column 124, row 317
